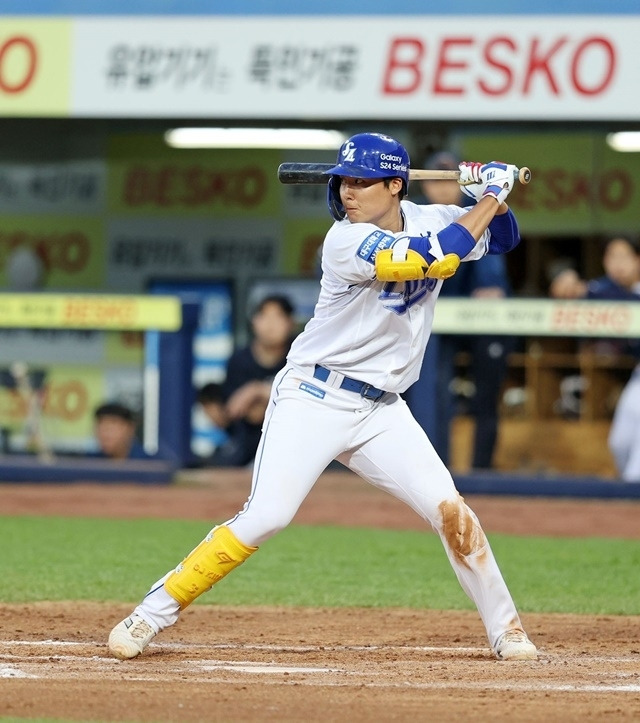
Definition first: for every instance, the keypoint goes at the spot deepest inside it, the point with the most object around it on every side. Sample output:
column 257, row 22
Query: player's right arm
column 413, row 258
column 418, row 257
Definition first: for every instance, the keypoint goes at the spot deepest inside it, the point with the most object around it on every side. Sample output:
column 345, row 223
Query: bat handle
column 524, row 175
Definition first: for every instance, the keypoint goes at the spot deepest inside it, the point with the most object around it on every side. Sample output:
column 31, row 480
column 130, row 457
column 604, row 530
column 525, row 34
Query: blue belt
column 351, row 385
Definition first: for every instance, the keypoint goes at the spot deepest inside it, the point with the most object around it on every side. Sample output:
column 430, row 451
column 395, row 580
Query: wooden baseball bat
column 316, row 173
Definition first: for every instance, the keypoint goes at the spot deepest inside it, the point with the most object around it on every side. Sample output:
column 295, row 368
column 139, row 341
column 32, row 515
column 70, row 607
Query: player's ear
column 395, row 186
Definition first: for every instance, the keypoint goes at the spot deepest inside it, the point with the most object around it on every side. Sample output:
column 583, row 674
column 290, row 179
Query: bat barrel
column 303, row 172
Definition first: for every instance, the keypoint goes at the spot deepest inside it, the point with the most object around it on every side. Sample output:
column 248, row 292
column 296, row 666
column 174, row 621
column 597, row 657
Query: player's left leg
column 302, row 434
column 393, row 453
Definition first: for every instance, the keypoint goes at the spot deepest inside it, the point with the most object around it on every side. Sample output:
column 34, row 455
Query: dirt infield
column 287, row 664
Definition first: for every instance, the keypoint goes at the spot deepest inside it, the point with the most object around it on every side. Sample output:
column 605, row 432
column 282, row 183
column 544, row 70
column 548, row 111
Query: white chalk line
column 576, row 657
column 250, row 666
column 11, row 670
column 245, row 666
column 260, row 646
column 76, row 658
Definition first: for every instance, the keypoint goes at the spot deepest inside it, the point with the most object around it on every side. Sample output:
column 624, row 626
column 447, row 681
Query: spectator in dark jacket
column 250, row 372
column 115, row 432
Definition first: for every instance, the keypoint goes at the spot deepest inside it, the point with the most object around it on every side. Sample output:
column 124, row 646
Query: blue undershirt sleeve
column 505, row 234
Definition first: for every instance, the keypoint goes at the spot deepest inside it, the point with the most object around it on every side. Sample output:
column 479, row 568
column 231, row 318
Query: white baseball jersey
column 368, row 329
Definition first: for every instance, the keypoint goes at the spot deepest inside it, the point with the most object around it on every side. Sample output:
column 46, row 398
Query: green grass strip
column 52, row 558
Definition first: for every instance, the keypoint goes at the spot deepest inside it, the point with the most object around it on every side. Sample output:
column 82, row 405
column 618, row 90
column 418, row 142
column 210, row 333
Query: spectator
column 621, row 282
column 621, row 265
column 484, row 279
column 115, row 432
column 250, row 373
column 228, row 450
column 212, row 402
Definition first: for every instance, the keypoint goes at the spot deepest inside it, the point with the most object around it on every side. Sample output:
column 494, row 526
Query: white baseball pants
column 308, row 424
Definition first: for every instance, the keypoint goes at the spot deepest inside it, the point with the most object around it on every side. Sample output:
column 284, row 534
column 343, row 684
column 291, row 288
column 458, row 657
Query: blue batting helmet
column 366, row 155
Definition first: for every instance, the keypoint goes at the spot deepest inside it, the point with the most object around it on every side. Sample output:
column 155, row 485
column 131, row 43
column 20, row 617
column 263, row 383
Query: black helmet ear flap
column 333, row 199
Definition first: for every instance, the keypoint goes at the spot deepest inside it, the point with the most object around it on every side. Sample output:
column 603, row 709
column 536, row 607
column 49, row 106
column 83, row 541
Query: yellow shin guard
column 219, row 553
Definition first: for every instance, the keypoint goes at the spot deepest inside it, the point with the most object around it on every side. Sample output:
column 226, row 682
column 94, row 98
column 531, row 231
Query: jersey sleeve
column 350, row 250
column 450, row 215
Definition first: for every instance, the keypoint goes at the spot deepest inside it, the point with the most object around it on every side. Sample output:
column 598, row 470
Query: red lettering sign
column 100, row 312
column 492, row 55
column 68, row 401
column 68, row 251
column 170, row 186
column 64, row 400
column 21, row 47
column 578, row 77
column 540, row 63
column 557, row 189
column 499, row 65
column 446, row 62
column 591, row 317
column 403, row 73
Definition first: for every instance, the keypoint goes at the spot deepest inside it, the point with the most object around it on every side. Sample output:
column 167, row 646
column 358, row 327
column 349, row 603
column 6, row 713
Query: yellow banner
column 35, row 67
column 71, row 311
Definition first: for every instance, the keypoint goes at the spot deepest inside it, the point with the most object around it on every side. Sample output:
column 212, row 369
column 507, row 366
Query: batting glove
column 494, row 179
column 471, row 179
column 498, row 179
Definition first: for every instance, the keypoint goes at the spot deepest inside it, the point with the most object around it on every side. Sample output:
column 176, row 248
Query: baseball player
column 338, row 397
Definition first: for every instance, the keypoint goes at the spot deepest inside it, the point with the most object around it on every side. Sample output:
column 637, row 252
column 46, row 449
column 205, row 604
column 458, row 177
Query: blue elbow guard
column 454, row 239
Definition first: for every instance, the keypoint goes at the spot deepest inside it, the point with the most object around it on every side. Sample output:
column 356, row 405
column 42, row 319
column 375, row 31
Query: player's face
column 369, row 200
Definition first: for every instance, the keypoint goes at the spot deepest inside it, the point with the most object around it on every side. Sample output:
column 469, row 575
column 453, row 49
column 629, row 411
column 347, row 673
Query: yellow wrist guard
column 413, row 267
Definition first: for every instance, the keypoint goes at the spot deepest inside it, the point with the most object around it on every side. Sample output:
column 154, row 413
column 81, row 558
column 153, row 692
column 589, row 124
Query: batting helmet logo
column 348, row 152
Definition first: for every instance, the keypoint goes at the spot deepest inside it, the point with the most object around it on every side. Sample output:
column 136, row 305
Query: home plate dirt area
column 315, row 664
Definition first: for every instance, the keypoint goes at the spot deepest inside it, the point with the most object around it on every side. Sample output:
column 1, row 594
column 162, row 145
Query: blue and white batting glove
column 471, row 179
column 480, row 180
column 498, row 179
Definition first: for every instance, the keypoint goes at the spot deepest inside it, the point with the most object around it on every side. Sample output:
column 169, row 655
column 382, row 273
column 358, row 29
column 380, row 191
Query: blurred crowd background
column 104, row 190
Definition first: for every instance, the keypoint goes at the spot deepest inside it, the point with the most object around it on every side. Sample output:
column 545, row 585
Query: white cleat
column 130, row 637
column 515, row 645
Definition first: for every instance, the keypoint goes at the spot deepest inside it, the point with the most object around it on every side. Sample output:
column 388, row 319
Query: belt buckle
column 364, row 392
